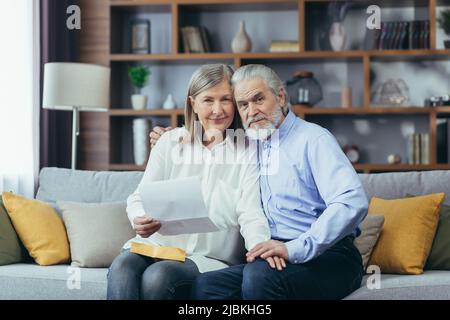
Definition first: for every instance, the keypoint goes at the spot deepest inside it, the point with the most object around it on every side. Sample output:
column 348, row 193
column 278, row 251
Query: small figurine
column 394, row 158
column 169, row 103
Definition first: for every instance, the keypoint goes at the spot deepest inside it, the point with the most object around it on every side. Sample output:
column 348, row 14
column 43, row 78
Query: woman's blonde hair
column 204, row 78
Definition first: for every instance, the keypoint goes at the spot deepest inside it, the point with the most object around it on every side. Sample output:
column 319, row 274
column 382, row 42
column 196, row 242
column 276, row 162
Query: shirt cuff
column 253, row 241
column 298, row 250
column 133, row 212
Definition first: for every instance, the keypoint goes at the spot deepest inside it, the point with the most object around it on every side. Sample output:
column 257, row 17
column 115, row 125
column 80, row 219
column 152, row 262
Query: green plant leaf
column 444, row 21
column 139, row 76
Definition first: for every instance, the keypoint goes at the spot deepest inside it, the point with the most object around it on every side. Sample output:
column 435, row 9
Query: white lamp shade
column 68, row 85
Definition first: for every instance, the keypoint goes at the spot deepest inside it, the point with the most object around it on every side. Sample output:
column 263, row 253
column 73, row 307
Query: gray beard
column 263, row 133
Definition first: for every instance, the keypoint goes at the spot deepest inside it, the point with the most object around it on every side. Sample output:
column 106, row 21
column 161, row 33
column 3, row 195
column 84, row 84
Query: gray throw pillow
column 10, row 249
column 370, row 232
column 96, row 231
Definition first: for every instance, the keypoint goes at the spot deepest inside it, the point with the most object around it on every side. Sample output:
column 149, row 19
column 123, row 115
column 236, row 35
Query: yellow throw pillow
column 408, row 232
column 39, row 228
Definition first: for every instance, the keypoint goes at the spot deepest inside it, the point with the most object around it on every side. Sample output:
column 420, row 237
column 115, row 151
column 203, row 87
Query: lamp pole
column 75, row 134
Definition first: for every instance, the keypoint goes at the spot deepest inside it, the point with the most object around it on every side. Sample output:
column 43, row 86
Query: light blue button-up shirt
column 311, row 194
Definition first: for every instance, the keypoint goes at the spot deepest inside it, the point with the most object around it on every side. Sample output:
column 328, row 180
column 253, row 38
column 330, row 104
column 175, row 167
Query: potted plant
column 337, row 35
column 444, row 24
column 139, row 76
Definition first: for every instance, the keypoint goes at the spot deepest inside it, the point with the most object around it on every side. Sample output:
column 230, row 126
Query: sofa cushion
column 407, row 234
column 430, row 285
column 394, row 185
column 59, row 282
column 39, row 228
column 96, row 231
column 86, row 186
column 10, row 250
column 370, row 232
column 439, row 258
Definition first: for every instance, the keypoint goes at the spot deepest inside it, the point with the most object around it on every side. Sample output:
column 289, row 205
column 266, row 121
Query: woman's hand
column 145, row 226
column 156, row 133
column 267, row 249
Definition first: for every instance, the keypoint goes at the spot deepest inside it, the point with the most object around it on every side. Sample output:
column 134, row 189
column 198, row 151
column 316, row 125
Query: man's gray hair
column 272, row 80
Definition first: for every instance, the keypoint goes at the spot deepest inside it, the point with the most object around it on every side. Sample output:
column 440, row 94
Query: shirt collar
column 286, row 125
column 282, row 131
column 227, row 142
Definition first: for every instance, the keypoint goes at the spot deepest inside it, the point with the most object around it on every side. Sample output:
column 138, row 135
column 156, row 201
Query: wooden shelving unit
column 97, row 46
column 369, row 111
column 281, row 55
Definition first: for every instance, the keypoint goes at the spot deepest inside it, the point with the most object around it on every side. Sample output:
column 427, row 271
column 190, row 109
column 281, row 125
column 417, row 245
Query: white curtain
column 19, row 96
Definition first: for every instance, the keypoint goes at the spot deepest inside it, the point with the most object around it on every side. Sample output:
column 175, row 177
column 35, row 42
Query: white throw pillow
column 96, row 231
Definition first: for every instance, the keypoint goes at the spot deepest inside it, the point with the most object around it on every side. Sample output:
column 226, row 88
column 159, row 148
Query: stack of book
column 442, row 137
column 284, row 46
column 401, row 35
column 195, row 39
column 418, row 148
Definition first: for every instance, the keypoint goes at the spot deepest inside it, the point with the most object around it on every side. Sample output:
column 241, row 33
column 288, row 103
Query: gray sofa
column 30, row 281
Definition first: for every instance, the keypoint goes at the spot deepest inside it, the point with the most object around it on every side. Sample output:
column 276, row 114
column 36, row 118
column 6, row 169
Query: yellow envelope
column 167, row 253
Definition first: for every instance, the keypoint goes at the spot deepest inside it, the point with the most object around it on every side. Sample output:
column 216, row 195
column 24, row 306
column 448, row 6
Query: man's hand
column 156, row 133
column 276, row 262
column 145, row 226
column 274, row 252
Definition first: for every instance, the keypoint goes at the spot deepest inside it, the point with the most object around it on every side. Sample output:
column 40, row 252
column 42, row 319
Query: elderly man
column 312, row 198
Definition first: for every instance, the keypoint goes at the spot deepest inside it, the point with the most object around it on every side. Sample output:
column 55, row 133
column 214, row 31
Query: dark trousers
column 333, row 275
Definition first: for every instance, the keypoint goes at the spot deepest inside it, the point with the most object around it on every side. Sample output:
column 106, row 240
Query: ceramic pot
column 241, row 42
column 338, row 36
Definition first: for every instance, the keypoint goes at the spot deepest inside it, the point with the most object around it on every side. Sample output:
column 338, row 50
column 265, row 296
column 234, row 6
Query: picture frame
column 140, row 36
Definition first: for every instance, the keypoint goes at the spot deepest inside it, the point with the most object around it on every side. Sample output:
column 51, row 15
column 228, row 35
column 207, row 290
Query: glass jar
column 304, row 89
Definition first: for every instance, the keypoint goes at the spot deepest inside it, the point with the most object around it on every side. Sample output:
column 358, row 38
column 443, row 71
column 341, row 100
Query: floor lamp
column 76, row 87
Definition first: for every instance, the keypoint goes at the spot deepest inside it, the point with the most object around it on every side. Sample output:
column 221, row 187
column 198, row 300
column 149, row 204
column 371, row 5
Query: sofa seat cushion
column 431, row 284
column 32, row 281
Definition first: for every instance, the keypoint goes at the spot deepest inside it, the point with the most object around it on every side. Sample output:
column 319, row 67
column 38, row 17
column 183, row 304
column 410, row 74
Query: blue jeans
column 332, row 275
column 133, row 276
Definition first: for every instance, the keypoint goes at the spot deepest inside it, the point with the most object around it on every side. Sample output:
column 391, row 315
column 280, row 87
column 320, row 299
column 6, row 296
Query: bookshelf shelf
column 366, row 111
column 126, row 167
column 281, row 55
column 367, row 168
column 390, row 3
column 103, row 42
column 171, row 57
column 120, row 3
column 147, row 112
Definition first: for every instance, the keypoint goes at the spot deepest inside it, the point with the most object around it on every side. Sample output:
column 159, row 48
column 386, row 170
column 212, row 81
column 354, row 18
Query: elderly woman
column 230, row 190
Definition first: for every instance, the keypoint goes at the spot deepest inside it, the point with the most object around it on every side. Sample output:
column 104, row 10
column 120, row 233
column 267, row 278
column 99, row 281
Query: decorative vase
column 337, row 36
column 241, row 42
column 169, row 103
column 392, row 92
column 139, row 101
column 141, row 147
column 304, row 89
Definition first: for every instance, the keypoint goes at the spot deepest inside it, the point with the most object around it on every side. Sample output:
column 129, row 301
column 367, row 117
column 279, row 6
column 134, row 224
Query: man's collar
column 286, row 125
column 281, row 132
